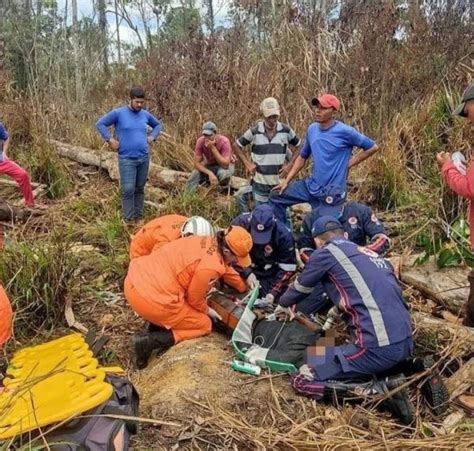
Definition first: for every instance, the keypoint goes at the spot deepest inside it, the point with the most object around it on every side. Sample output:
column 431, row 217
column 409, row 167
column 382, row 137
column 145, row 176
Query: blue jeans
column 199, row 178
column 133, row 175
column 245, row 197
column 296, row 193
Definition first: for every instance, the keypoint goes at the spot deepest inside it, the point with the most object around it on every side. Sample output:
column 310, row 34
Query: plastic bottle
column 245, row 367
column 332, row 318
column 459, row 161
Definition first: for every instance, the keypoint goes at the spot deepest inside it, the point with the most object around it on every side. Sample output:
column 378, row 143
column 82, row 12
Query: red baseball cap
column 327, row 101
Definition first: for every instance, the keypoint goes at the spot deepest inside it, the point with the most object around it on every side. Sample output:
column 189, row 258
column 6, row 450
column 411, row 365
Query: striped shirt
column 269, row 155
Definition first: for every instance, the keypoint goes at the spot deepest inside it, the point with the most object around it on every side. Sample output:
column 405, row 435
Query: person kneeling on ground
column 165, row 229
column 273, row 252
column 168, row 287
column 213, row 159
column 372, row 307
column 6, row 318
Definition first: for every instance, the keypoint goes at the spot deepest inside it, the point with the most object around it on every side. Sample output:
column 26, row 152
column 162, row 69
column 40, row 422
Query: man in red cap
column 330, row 143
column 462, row 183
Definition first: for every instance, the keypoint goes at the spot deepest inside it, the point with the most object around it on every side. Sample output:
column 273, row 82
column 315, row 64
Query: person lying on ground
column 461, row 181
column 370, row 299
column 213, row 159
column 359, row 223
column 168, row 287
column 10, row 168
column 131, row 124
column 273, row 252
column 330, row 143
column 165, row 229
column 270, row 141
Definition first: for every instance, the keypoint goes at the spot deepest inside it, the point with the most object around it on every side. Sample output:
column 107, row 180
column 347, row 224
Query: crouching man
column 372, row 306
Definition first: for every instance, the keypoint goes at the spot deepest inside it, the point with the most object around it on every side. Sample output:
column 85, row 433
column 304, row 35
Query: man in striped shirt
column 270, row 142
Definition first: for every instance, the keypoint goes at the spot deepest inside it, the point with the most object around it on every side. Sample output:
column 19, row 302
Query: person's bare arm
column 362, row 156
column 222, row 161
column 201, row 168
column 284, row 171
column 297, row 166
column 251, row 167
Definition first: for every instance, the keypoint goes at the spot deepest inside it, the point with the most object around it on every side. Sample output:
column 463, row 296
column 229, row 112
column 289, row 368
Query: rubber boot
column 469, row 307
column 144, row 345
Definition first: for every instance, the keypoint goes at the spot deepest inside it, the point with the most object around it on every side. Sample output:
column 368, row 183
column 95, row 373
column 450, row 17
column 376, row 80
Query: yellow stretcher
column 50, row 383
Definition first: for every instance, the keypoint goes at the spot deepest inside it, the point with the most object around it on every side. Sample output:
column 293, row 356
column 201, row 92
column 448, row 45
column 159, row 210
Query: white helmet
column 197, row 226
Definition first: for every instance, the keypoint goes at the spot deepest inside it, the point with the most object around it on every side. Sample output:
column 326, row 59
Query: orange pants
column 186, row 322
column 6, row 315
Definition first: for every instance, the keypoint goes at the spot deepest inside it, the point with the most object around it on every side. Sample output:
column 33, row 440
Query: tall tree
column 76, row 50
column 3, row 10
column 105, row 41
column 210, row 16
column 117, row 29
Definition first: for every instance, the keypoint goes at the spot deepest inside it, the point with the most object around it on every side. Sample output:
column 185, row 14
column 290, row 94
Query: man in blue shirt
column 131, row 124
column 273, row 252
column 330, row 143
column 365, row 289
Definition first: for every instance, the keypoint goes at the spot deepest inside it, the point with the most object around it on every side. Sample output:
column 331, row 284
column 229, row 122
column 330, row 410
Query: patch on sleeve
column 352, row 220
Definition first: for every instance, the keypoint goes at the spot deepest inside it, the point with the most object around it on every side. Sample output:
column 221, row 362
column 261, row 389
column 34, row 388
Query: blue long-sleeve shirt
column 3, row 137
column 131, row 128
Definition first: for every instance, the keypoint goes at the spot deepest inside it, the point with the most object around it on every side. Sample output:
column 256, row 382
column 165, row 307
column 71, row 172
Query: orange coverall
column 156, row 233
column 168, row 287
column 6, row 315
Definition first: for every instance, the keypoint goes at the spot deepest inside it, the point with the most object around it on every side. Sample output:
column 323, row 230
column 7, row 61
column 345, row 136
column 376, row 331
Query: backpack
column 101, row 433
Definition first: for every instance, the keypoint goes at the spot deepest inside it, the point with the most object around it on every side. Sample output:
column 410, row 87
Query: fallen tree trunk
column 462, row 380
column 158, row 175
column 10, row 213
column 447, row 286
column 430, row 326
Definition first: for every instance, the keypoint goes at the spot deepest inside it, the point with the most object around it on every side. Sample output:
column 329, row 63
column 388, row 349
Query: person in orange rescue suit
column 6, row 316
column 168, row 287
column 165, row 229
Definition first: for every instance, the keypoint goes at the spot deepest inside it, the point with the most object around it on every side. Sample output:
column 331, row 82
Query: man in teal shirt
column 132, row 140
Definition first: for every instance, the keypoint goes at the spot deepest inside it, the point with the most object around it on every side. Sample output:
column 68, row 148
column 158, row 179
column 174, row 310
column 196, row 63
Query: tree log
column 462, row 380
column 447, row 286
column 10, row 213
column 158, row 175
column 428, row 325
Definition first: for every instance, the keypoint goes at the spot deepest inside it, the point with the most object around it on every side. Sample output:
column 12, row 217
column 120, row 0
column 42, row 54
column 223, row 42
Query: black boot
column 144, row 345
column 399, row 404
